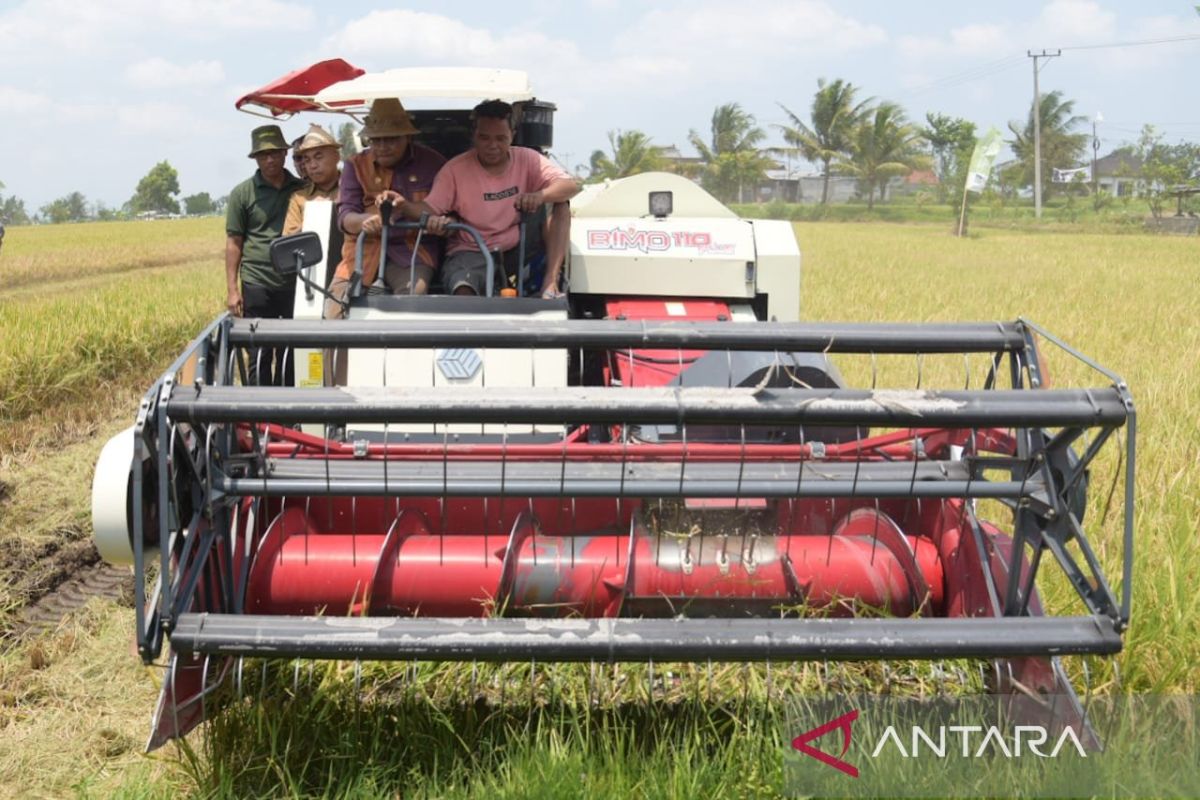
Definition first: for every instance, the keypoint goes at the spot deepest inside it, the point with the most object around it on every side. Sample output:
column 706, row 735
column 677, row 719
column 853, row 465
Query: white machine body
column 701, row 249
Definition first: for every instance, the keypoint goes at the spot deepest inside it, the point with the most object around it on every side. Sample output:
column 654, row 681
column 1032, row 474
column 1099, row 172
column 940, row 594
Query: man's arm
column 233, row 263
column 351, row 217
column 294, row 221
column 439, row 202
column 354, row 222
column 558, row 191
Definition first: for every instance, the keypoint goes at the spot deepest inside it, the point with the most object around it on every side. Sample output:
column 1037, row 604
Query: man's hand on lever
column 530, row 201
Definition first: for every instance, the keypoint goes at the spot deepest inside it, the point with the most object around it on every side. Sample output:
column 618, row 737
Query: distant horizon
column 98, row 95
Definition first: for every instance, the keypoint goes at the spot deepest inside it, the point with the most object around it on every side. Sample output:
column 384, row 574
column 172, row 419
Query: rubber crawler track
column 98, row 580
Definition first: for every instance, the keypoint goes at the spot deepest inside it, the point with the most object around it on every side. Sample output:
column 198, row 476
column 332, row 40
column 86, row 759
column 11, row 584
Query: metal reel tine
column 237, row 676
column 358, row 679
column 1087, row 683
column 204, row 688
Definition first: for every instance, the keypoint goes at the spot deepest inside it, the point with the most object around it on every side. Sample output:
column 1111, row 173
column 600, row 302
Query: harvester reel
column 624, row 520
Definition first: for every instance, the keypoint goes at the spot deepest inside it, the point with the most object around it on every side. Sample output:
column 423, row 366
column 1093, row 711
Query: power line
column 1134, row 43
column 969, row 75
column 999, row 65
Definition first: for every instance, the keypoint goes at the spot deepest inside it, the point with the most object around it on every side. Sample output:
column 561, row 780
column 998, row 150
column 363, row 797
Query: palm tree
column 834, row 116
column 1060, row 147
column 884, row 145
column 632, row 152
column 731, row 156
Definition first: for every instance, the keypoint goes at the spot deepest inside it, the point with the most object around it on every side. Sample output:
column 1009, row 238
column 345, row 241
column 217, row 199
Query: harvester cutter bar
column 613, row 639
column 411, row 478
column 661, row 405
column 980, row 337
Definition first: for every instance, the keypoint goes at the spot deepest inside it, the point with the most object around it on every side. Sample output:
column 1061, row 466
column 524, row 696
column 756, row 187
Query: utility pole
column 1095, row 152
column 1037, row 129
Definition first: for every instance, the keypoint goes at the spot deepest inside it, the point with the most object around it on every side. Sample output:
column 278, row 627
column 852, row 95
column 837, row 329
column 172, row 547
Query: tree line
column 157, row 193
column 873, row 141
column 844, row 134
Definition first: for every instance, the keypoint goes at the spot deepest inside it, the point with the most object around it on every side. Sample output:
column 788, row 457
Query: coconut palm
column 826, row 138
column 731, row 156
column 884, row 144
column 1061, row 147
column 632, row 152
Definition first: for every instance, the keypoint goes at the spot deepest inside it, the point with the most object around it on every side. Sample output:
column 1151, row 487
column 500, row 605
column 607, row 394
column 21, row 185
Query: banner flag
column 982, row 160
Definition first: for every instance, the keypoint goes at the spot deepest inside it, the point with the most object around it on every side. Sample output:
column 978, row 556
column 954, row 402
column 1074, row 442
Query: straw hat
column 316, row 137
column 388, row 118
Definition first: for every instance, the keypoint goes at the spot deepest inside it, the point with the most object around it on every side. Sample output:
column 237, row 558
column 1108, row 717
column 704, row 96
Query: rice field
column 84, row 331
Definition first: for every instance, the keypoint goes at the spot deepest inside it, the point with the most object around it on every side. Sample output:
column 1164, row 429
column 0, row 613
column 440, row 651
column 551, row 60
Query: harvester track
column 96, row 580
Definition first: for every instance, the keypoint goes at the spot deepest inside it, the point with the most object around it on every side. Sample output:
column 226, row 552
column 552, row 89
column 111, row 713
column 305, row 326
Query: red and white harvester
column 666, row 465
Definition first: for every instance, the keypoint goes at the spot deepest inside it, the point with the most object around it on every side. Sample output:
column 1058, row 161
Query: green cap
column 266, row 137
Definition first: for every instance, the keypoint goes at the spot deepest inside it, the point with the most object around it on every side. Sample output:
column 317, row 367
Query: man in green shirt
column 253, row 219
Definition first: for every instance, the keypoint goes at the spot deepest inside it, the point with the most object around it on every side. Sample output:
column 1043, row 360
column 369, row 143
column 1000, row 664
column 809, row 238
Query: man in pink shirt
column 488, row 187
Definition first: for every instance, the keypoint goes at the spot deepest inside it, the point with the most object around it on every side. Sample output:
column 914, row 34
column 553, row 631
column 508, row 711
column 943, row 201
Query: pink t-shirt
column 486, row 201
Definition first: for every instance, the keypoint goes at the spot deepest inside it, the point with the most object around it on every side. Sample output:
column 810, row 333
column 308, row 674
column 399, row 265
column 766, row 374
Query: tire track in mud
column 99, row 579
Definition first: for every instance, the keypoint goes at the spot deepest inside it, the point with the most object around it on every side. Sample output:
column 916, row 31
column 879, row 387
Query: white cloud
column 983, row 40
column 662, row 51
column 1068, row 22
column 718, row 35
column 46, row 29
column 174, row 120
column 19, row 101
column 158, row 73
column 435, row 38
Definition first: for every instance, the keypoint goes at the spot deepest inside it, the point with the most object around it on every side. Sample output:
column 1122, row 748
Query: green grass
column 1128, row 301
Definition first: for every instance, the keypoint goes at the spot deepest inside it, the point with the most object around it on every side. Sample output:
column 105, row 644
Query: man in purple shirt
column 393, row 167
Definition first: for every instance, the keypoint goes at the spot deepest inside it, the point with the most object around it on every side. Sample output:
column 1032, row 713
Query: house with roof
column 1119, row 174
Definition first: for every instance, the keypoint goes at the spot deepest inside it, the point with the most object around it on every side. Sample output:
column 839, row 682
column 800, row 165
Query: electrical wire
column 999, row 65
column 1135, row 43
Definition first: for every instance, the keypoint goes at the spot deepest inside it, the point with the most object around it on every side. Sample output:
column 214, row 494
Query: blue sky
column 95, row 93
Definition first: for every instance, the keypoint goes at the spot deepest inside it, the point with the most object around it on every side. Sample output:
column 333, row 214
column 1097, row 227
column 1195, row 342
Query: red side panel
column 659, row 367
column 275, row 96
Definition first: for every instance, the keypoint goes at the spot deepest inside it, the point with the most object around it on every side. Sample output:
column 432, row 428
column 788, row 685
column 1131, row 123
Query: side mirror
column 291, row 254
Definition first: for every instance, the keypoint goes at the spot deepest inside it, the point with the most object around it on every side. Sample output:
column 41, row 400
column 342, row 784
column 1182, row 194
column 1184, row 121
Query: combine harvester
column 666, row 466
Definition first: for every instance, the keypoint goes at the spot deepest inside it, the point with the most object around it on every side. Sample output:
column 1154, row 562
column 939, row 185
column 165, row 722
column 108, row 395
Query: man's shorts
column 469, row 268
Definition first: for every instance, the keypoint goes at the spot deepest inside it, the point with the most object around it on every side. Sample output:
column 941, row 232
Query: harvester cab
column 668, row 465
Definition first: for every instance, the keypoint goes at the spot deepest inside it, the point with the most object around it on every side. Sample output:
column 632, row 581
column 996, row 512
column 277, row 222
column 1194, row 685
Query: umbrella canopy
column 295, row 91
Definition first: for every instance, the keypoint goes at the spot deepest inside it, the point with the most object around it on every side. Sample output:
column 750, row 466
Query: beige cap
column 388, row 118
column 316, row 137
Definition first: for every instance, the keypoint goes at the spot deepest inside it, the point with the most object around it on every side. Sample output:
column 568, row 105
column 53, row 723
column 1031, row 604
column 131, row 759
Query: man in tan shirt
column 320, row 153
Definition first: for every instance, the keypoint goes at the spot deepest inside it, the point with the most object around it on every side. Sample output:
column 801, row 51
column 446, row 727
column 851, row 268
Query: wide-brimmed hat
column 266, row 137
column 388, row 118
column 316, row 137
